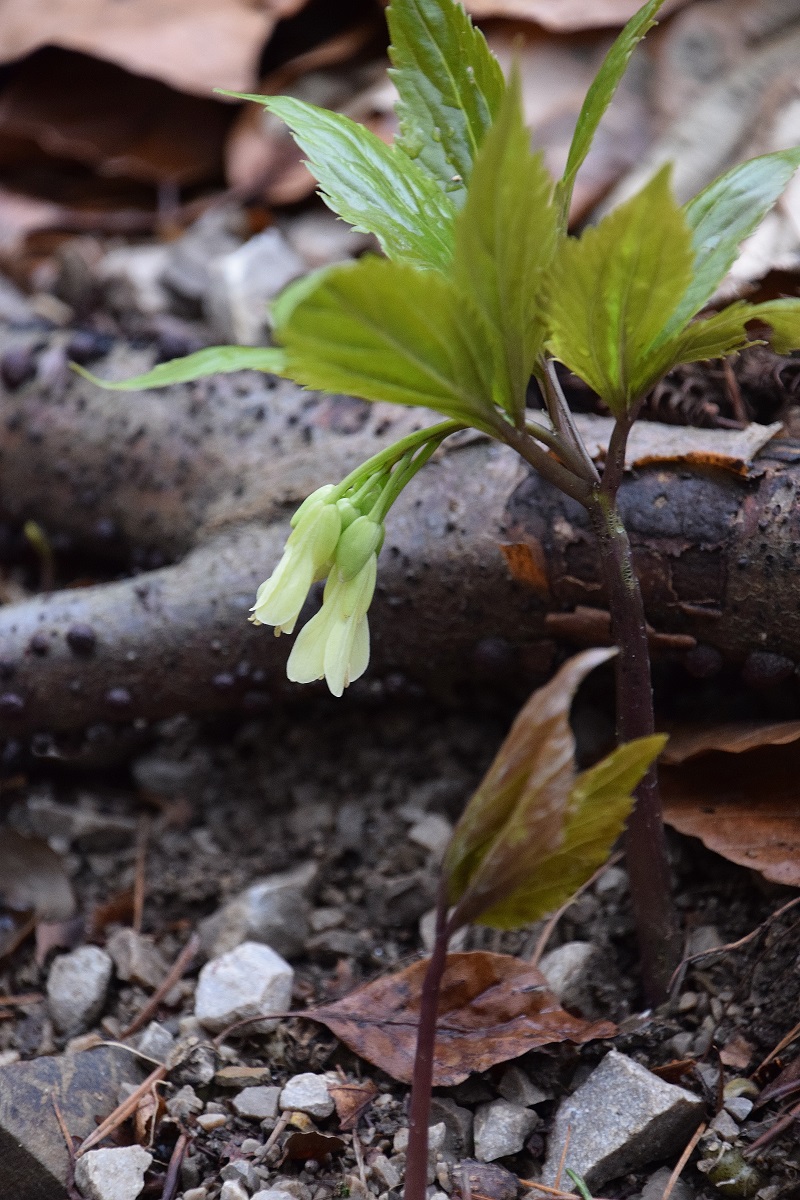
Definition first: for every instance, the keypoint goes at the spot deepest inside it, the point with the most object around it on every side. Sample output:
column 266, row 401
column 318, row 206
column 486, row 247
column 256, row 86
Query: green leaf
column 505, row 238
column 600, row 95
column 516, row 817
column 783, row 317
column 600, row 804
column 374, row 187
column 726, row 333
column 612, row 291
column 450, row 86
column 722, row 216
column 216, row 360
column 386, row 331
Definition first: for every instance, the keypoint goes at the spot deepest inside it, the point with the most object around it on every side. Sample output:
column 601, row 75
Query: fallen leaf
column 735, row 788
column 352, row 1100
column 194, row 45
column 313, row 1145
column 737, row 1053
column 564, row 15
column 33, row 878
column 650, row 442
column 492, row 1008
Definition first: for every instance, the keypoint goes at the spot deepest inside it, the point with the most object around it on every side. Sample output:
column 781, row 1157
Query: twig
column 547, row 932
column 122, row 1111
column 175, row 973
column 358, row 1150
column 72, row 1191
column 680, row 970
column 140, row 875
column 18, row 1001
column 283, row 1121
column 174, row 1169
column 735, row 394
column 563, row 1158
column 766, row 1138
column 782, row 1044
column 682, row 1161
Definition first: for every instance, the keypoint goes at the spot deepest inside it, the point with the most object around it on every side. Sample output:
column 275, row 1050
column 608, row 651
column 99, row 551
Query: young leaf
column 505, row 238
column 524, row 794
column 612, row 290
column 600, row 95
column 450, row 86
column 599, row 805
column 215, row 360
column 722, row 216
column 386, row 331
column 783, row 317
column 726, row 333
column 374, row 187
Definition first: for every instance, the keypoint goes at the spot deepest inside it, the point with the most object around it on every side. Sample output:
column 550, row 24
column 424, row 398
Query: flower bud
column 316, row 498
column 357, row 544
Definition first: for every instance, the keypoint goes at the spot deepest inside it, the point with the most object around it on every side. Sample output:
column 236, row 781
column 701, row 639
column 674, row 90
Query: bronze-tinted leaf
column 352, row 1100
column 314, row 1145
column 735, row 788
column 492, row 1008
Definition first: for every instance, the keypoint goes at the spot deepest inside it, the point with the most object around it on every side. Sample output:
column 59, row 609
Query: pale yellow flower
column 334, row 645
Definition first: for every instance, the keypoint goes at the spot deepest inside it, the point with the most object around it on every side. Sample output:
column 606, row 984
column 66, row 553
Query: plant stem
column 646, row 850
column 420, row 1108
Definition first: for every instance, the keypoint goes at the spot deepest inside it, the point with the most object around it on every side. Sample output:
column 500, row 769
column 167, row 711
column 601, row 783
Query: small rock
column 725, row 1126
column 458, row 1123
column 427, row 933
column 170, row 777
column 242, row 1077
column 116, row 1174
column 518, row 1088
column 132, row 279
column 703, row 939
column 502, row 1129
column 307, row 1093
column 234, row 1189
column 242, row 1172
column 156, row 1042
column 198, row 1193
column 274, row 911
column 322, row 919
column 621, row 1118
column 192, row 1060
column 242, row 282
column 185, row 1103
column 385, row 1172
column 208, row 1122
column 568, row 970
column 656, row 1185
column 319, row 238
column 739, row 1107
column 336, row 943
column 258, row 1103
column 77, row 986
column 216, row 232
column 612, row 884
column 245, row 982
column 433, row 833
column 33, row 1157
column 273, row 1194
column 136, row 959
column 487, row 1179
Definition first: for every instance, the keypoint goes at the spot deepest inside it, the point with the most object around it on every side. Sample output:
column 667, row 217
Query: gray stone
column 234, row 1189
column 115, row 1174
column 621, row 1118
column 218, row 231
column 568, row 970
column 170, row 777
column 76, row 988
column 185, row 1103
column 427, row 933
column 241, row 284
column 33, row 1157
column 273, row 1194
column 725, row 1127
column 385, row 1172
column 307, row 1093
column 739, row 1107
column 136, row 959
column 80, row 825
column 320, row 238
column 518, row 1088
column 239, row 985
column 274, row 911
column 458, row 1123
column 432, row 832
column 156, row 1042
column 259, row 1103
column 613, row 883
column 656, row 1185
column 132, row 278
column 502, row 1129
column 241, row 1171
column 487, row 1179
column 704, row 939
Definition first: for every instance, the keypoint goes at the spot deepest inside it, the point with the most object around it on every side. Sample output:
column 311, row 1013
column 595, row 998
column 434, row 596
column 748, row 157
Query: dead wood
column 203, row 479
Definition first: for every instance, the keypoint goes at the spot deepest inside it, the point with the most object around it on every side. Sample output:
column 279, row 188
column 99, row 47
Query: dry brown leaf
column 194, row 45
column 34, row 887
column 650, row 442
column 564, row 15
column 352, row 1100
column 70, row 106
column 737, row 791
column 312, row 1145
column 493, row 1008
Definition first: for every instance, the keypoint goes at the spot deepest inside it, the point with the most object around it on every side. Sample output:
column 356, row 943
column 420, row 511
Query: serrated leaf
column 612, row 290
column 722, row 216
column 600, row 804
column 505, row 238
column 215, row 360
column 374, row 187
column 521, row 804
column 386, row 331
column 725, row 332
column 783, row 317
column 600, row 95
column 450, row 87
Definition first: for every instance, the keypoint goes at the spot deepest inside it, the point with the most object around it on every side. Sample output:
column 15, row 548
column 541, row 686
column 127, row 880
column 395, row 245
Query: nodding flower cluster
column 330, row 538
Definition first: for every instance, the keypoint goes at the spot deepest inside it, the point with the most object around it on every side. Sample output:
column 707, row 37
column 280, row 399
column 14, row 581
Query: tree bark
column 485, row 579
